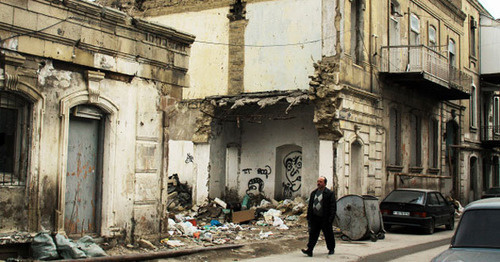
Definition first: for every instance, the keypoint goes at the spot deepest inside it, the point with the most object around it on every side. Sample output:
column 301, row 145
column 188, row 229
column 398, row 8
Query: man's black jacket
column 328, row 204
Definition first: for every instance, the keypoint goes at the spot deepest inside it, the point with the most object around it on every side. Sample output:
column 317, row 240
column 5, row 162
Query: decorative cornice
column 93, row 9
column 162, row 30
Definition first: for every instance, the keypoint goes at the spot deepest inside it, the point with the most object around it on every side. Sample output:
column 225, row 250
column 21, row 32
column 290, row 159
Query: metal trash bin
column 358, row 217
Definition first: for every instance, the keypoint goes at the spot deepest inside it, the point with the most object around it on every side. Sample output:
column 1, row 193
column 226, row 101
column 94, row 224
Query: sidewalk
column 357, row 250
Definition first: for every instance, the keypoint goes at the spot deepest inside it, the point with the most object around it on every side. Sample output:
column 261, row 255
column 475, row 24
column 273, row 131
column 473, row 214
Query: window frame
column 414, row 29
column 21, row 146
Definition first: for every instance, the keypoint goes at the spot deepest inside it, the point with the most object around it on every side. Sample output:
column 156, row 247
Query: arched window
column 432, row 37
column 452, row 53
column 15, row 114
column 414, row 29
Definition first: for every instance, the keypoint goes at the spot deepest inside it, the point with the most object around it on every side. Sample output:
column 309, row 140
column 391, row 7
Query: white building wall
column 490, row 37
column 259, row 143
column 283, row 40
column 208, row 61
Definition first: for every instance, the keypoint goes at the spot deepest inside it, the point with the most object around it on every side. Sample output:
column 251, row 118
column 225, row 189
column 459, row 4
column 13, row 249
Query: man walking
column 320, row 214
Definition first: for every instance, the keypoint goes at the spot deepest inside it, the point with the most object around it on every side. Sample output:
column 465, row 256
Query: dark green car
column 413, row 207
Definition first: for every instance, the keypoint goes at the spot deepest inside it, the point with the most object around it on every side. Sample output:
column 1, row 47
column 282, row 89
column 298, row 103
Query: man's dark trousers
column 317, row 224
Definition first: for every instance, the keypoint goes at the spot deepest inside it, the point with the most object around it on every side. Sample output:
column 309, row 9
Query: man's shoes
column 331, row 252
column 308, row 252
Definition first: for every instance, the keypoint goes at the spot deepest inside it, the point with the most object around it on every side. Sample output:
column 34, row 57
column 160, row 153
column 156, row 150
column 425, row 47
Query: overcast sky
column 493, row 6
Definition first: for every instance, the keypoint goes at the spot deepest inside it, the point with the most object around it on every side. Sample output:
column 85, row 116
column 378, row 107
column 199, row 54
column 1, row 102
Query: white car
column 477, row 237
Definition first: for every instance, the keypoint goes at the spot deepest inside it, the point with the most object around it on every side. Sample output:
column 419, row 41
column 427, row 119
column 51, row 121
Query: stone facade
column 65, row 65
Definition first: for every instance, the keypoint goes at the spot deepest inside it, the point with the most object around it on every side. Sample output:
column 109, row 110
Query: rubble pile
column 213, row 223
column 179, row 194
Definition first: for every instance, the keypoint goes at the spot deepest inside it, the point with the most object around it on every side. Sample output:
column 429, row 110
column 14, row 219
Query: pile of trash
column 48, row 247
column 217, row 222
column 179, row 194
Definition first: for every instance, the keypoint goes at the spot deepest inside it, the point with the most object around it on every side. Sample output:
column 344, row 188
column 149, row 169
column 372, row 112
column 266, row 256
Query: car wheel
column 451, row 223
column 430, row 230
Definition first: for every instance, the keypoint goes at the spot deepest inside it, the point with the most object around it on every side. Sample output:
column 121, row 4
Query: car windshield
column 412, row 197
column 478, row 229
column 493, row 190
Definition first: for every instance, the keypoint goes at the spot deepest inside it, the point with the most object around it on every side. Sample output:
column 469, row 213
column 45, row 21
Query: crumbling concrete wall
column 79, row 53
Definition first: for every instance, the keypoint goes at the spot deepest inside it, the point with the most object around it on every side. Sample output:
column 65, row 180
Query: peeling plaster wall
column 133, row 73
column 278, row 23
column 226, row 135
column 258, row 150
column 206, row 60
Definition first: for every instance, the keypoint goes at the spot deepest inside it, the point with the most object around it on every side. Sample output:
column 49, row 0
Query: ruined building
column 84, row 91
column 371, row 94
column 99, row 109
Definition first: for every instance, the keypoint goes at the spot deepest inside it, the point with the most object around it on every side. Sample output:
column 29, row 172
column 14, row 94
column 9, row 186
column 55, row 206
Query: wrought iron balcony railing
column 426, row 61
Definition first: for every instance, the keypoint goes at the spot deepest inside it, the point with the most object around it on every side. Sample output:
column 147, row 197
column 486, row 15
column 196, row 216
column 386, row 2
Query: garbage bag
column 91, row 249
column 43, row 247
column 67, row 248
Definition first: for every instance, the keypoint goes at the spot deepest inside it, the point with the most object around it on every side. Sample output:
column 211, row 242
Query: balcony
column 490, row 136
column 426, row 70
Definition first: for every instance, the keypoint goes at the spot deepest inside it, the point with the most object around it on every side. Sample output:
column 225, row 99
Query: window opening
column 14, row 142
column 432, row 37
column 414, row 30
column 452, row 53
column 415, row 135
column 472, row 106
column 394, row 137
column 357, row 30
column 473, row 27
column 433, row 143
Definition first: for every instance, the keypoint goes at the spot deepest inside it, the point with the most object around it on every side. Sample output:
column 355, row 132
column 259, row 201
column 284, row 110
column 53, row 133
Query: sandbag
column 43, row 247
column 91, row 249
column 67, row 248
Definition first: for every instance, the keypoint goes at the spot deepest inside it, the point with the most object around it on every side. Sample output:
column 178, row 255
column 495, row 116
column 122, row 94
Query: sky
column 493, row 6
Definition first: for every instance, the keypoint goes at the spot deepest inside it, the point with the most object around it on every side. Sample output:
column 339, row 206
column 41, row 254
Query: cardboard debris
column 243, row 216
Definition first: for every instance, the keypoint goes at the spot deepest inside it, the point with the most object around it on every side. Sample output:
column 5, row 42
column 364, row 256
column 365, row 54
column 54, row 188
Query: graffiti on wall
column 255, row 186
column 265, row 171
column 293, row 165
column 189, row 158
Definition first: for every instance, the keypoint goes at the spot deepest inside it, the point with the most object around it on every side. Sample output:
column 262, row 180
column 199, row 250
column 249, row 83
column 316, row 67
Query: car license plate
column 400, row 213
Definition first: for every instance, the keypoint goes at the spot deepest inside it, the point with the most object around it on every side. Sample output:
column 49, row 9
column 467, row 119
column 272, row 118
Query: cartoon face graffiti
column 255, row 186
column 293, row 165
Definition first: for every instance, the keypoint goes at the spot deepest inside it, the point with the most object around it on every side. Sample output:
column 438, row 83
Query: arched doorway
column 83, row 192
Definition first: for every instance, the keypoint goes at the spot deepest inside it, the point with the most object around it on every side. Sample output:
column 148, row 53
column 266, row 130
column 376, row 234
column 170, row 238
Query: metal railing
column 421, row 58
column 418, row 58
column 490, row 133
column 460, row 80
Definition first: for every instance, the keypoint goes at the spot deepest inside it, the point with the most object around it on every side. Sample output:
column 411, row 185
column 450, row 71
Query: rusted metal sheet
column 83, row 188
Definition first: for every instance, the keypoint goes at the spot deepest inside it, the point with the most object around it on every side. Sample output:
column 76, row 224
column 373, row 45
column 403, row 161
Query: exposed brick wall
column 236, row 56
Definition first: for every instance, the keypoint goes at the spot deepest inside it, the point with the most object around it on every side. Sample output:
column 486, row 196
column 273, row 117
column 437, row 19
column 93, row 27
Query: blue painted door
column 82, row 203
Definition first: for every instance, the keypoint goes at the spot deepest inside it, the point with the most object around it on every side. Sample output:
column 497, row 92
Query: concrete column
column 326, row 161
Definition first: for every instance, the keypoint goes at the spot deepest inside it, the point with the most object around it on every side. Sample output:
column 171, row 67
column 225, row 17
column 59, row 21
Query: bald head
column 321, row 182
